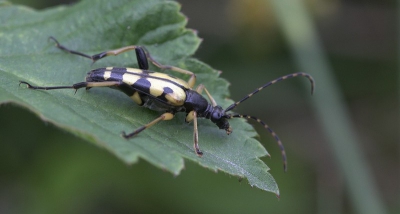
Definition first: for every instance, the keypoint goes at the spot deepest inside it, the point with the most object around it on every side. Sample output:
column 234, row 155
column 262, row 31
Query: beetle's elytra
column 165, row 93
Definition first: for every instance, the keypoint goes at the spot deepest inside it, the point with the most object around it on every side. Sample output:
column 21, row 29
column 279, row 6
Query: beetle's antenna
column 271, row 83
column 281, row 147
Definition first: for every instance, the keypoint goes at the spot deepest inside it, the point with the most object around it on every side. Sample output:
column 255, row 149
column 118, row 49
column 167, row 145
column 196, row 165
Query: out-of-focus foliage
column 360, row 40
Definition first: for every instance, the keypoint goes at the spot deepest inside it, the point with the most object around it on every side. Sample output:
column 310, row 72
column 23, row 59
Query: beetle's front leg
column 192, row 116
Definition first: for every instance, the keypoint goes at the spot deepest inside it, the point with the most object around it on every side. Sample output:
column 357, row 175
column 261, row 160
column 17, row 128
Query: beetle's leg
column 165, row 116
column 200, row 89
column 141, row 55
column 58, row 45
column 192, row 116
column 192, row 79
column 196, row 136
column 75, row 86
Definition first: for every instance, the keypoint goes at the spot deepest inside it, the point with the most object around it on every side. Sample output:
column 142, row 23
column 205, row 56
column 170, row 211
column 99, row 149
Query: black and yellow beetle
column 164, row 93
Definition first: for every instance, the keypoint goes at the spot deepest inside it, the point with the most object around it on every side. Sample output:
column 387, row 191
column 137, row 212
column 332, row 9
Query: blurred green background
column 46, row 170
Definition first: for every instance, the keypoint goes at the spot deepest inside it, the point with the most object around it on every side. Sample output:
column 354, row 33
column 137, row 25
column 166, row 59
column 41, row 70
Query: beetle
column 165, row 93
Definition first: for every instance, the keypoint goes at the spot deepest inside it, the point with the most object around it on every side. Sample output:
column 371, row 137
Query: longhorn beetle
column 164, row 93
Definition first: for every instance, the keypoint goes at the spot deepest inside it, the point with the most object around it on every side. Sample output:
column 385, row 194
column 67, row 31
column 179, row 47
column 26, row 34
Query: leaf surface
column 100, row 115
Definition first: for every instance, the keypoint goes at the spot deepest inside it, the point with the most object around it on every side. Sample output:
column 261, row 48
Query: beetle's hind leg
column 165, row 116
column 58, row 45
column 75, row 86
column 141, row 55
column 192, row 79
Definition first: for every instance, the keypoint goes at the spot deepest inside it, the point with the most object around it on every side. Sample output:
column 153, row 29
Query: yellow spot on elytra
column 107, row 75
column 154, row 90
column 134, row 70
column 176, row 98
column 170, row 78
column 130, row 79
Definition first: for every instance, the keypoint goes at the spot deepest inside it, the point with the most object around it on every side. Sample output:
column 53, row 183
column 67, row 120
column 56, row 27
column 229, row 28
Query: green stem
column 330, row 106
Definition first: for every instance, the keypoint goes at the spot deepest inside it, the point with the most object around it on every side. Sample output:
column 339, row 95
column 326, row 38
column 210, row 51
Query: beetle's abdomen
column 158, row 86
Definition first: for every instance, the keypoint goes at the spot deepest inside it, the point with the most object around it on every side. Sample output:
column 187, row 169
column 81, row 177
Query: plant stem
column 331, row 110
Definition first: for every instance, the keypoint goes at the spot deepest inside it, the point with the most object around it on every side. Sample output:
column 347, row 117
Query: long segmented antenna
column 281, row 147
column 271, row 83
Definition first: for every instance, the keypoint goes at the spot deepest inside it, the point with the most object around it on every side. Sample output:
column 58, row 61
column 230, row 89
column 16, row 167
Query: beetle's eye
column 217, row 115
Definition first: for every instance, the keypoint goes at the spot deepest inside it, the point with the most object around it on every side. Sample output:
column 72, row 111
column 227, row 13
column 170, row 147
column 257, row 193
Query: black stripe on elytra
column 118, row 69
column 143, row 85
column 166, row 90
column 116, row 76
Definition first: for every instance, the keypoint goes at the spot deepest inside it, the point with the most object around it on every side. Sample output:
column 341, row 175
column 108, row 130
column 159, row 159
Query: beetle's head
column 220, row 119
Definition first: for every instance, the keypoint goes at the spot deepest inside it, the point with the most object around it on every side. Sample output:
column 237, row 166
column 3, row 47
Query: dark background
column 46, row 170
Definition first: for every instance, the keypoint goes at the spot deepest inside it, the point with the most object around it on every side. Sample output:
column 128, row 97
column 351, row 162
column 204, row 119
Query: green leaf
column 101, row 114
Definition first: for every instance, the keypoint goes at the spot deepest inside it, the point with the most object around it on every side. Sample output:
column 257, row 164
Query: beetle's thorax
column 195, row 101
